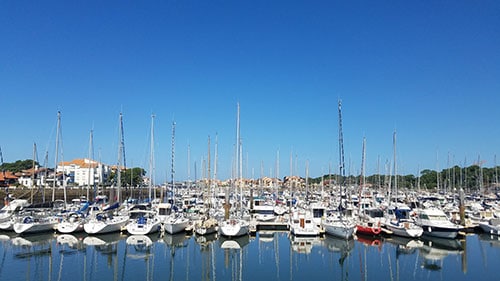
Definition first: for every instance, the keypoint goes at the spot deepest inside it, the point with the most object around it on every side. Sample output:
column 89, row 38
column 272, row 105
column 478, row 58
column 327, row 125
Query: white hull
column 25, row 227
column 7, row 225
column 493, row 229
column 405, row 229
column 441, row 232
column 70, row 227
column 341, row 229
column 115, row 224
column 234, row 228
column 206, row 227
column 175, row 225
column 151, row 226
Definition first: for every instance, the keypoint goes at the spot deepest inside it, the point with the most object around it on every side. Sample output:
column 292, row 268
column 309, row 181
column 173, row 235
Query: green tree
column 18, row 166
column 130, row 177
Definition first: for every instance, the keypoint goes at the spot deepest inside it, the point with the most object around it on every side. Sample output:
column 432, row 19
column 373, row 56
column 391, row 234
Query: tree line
column 469, row 178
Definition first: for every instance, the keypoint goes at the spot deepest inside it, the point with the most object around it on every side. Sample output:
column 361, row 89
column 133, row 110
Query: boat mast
column 341, row 158
column 57, row 155
column 208, row 174
column 121, row 159
column 238, row 162
column 91, row 157
column 151, row 159
column 33, row 178
column 395, row 171
column 172, row 171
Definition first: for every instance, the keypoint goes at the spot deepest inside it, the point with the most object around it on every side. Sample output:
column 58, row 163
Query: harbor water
column 266, row 256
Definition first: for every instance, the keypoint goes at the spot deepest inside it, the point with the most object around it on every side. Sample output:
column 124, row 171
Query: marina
column 269, row 255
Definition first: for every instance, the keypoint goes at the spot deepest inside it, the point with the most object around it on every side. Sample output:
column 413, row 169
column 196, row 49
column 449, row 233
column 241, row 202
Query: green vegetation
column 18, row 166
column 470, row 178
column 130, row 177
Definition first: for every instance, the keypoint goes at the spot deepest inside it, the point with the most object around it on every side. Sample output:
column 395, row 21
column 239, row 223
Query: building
column 7, row 179
column 85, row 171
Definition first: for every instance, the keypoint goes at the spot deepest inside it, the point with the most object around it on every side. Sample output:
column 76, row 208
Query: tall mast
column 33, row 178
column 151, row 158
column 395, row 171
column 238, row 156
column 341, row 157
column 172, row 171
column 90, row 170
column 56, row 156
column 362, row 177
column 209, row 172
column 121, row 159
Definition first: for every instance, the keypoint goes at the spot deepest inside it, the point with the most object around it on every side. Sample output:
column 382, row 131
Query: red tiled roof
column 7, row 176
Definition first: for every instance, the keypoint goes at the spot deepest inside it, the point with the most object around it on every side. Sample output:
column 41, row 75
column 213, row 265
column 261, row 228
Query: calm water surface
column 268, row 256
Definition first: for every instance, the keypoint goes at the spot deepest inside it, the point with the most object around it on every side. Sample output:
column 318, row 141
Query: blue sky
column 427, row 69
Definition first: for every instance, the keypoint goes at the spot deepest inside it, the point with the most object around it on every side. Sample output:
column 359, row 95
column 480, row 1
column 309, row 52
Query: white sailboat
column 336, row 224
column 144, row 222
column 174, row 221
column 398, row 220
column 208, row 225
column 105, row 221
column 235, row 227
column 9, row 211
column 35, row 220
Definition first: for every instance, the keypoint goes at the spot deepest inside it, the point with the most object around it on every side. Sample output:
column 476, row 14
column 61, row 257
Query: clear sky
column 429, row 70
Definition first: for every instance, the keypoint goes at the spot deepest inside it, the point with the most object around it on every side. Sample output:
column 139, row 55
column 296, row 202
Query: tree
column 130, row 177
column 18, row 166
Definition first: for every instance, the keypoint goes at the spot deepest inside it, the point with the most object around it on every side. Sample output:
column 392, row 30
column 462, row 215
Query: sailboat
column 336, row 224
column 106, row 221
column 235, row 227
column 399, row 221
column 174, row 221
column 369, row 222
column 207, row 225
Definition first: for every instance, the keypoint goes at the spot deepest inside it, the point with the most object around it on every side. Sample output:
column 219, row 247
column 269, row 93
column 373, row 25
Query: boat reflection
column 372, row 241
column 492, row 240
column 234, row 242
column 404, row 245
column 266, row 236
column 303, row 244
column 206, row 240
column 140, row 246
column 177, row 240
column 434, row 250
column 338, row 245
column 32, row 245
column 106, row 244
column 71, row 241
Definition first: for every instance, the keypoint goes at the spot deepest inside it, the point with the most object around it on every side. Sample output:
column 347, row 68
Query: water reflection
column 434, row 250
column 268, row 255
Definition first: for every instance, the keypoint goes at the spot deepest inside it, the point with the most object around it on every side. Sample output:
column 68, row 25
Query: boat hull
column 143, row 229
column 100, row 227
column 234, row 228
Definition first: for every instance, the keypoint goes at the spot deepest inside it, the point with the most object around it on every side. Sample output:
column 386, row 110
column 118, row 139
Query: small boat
column 71, row 223
column 175, row 223
column 370, row 222
column 435, row 223
column 234, row 228
column 338, row 226
column 105, row 222
column 206, row 226
column 9, row 211
column 35, row 221
column 491, row 226
column 400, row 223
column 301, row 224
column 143, row 222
